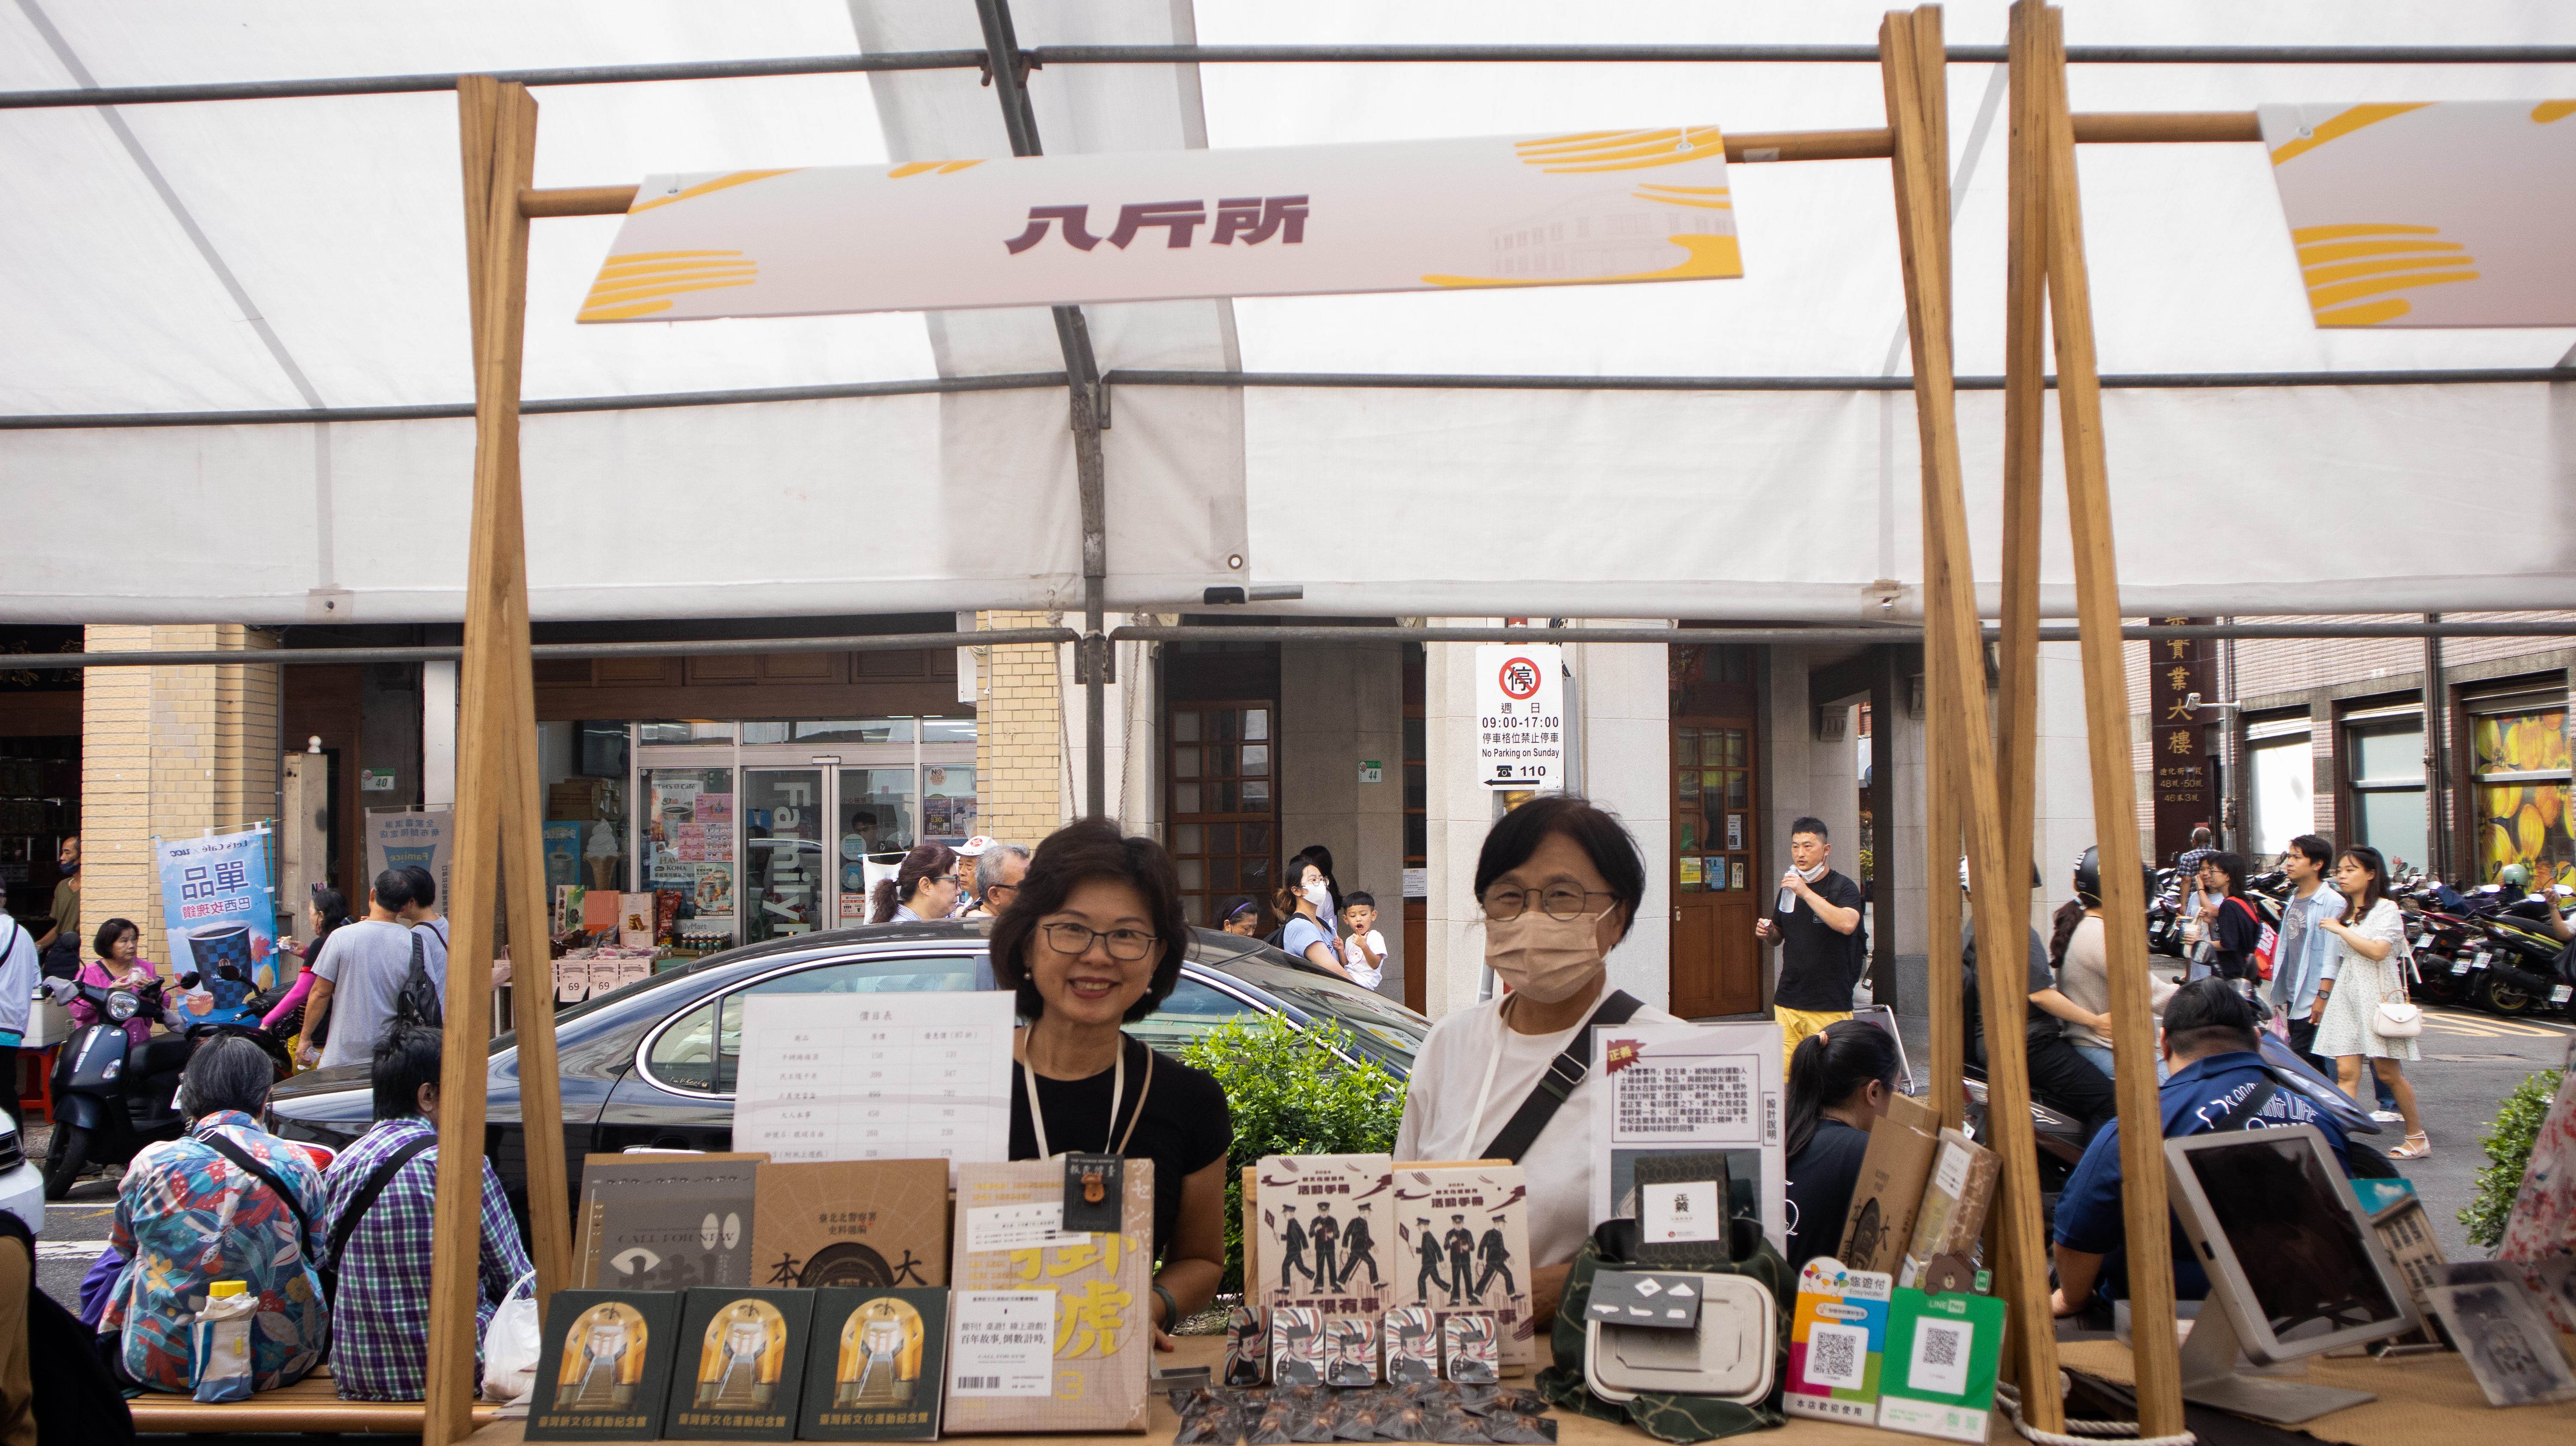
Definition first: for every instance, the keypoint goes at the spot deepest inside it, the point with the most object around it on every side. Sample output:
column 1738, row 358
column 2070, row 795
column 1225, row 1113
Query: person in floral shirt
column 187, row 1215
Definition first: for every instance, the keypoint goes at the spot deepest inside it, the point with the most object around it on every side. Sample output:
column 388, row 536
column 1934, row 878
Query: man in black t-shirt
column 2059, row 1075
column 1822, row 945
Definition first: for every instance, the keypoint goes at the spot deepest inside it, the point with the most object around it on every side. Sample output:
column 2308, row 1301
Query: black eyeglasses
column 1075, row 939
column 1560, row 902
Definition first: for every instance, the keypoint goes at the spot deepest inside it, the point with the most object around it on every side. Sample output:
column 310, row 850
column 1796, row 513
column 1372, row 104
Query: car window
column 684, row 1057
column 1383, row 1029
column 1192, row 1011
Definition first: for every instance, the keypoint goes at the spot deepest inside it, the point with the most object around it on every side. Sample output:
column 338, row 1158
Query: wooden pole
column 497, row 127
column 1909, row 49
column 2040, row 44
column 2025, row 410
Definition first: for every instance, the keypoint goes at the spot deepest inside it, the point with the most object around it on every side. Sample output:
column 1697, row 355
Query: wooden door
column 1221, row 769
column 1719, row 887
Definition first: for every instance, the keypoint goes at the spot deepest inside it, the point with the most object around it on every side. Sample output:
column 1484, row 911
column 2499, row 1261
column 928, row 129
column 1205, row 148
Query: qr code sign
column 1940, row 1357
column 1837, row 1356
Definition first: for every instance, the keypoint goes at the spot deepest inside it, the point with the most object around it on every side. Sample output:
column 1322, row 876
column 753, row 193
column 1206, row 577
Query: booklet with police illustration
column 1323, row 1227
column 604, row 1372
column 876, row 1365
column 1462, row 1249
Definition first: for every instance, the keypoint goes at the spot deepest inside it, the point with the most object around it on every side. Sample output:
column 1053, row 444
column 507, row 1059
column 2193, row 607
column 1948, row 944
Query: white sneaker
column 2387, row 1117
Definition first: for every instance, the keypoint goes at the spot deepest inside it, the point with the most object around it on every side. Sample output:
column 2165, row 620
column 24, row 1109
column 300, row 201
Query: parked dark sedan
column 652, row 1063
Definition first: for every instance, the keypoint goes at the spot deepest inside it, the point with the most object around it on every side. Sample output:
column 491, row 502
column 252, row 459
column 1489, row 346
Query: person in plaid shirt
column 380, row 1316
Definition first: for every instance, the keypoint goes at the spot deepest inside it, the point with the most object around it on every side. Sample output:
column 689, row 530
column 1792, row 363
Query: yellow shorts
column 1797, row 1024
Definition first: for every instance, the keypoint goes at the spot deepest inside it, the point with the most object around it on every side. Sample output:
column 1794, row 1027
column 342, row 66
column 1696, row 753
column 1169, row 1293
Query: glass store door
column 786, row 878
column 877, row 824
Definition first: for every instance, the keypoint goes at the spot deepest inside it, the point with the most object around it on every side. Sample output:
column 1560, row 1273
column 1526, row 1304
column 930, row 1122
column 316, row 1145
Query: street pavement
column 2471, row 1061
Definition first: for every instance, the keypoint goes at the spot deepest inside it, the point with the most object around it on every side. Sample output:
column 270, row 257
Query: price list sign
column 875, row 1077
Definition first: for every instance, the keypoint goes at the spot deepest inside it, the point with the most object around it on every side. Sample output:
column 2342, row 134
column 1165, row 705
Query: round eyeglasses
column 1560, row 902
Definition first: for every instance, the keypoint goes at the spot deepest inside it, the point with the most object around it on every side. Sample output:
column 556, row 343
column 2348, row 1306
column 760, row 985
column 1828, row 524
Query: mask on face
column 1319, row 893
column 1545, row 958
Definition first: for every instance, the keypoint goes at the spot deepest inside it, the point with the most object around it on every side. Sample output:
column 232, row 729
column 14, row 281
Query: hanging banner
column 219, row 912
column 2449, row 213
column 1520, row 717
column 1598, row 206
column 407, row 838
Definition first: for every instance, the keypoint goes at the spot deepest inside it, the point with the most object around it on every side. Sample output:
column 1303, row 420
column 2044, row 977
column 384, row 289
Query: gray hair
column 988, row 865
column 228, row 1073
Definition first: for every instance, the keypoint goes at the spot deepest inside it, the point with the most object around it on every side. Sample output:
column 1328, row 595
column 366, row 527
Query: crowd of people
column 1334, row 931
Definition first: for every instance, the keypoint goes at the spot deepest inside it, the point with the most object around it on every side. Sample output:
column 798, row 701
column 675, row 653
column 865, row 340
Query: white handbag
column 2401, row 1017
column 511, row 1344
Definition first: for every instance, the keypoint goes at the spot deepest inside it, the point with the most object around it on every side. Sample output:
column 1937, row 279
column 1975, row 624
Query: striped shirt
column 380, row 1319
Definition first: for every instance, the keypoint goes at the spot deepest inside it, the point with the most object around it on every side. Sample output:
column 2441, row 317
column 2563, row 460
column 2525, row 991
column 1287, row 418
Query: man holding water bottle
column 1816, row 921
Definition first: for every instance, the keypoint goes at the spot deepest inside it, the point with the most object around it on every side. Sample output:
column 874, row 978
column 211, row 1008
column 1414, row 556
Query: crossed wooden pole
column 1982, row 782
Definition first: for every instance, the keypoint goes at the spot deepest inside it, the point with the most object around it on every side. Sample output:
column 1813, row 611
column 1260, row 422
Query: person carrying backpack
column 362, row 974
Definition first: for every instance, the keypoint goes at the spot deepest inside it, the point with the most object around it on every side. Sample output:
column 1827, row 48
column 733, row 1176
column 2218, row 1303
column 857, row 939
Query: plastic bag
column 1520, row 1430
column 511, row 1344
column 221, row 1341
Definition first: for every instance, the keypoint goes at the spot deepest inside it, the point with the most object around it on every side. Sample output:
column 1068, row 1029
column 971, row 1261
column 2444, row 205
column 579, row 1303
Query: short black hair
column 103, row 943
column 1077, row 853
column 407, row 1056
column 393, row 890
column 424, row 888
column 863, row 819
column 2233, row 866
column 1603, row 839
column 1358, row 900
column 2208, row 1016
column 1809, row 823
column 2317, row 849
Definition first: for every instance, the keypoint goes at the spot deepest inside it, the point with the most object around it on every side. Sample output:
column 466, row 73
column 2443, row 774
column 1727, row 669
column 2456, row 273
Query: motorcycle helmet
column 2515, row 878
column 2088, row 879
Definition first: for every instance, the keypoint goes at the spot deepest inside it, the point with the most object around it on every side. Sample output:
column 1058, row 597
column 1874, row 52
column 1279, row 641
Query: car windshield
column 1387, row 1032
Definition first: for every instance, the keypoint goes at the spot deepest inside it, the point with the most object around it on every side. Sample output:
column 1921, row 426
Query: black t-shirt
column 1819, row 964
column 2038, row 1024
column 1184, row 1130
column 2238, row 930
column 1821, row 1178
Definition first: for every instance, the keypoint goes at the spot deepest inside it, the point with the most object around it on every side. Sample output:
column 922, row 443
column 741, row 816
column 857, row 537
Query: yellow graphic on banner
column 643, row 282
column 916, row 168
column 2343, row 124
column 725, row 182
column 2345, row 264
column 1714, row 198
column 1710, row 257
column 2553, row 110
column 1621, row 150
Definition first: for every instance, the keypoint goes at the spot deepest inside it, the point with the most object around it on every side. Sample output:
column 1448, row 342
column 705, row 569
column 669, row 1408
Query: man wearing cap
column 999, row 867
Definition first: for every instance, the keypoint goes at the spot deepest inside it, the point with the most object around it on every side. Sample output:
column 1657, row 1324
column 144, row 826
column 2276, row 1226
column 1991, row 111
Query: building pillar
column 1020, row 734
column 2064, row 826
column 1341, row 704
column 169, row 752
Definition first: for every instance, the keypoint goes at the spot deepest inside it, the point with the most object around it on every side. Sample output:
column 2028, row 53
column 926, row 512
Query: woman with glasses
column 924, row 888
column 1093, row 940
column 1559, row 882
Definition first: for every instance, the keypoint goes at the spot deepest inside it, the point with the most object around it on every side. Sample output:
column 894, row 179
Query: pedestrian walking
column 2368, row 970
column 2230, row 935
column 359, row 978
column 1822, row 946
column 2304, row 958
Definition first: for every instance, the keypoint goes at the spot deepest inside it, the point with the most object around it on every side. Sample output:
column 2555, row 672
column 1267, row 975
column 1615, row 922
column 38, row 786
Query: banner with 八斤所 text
column 219, row 914
column 1597, row 206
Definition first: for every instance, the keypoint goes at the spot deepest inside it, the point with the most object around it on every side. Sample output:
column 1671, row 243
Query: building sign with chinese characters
column 1600, row 206
column 2177, row 734
column 1520, row 717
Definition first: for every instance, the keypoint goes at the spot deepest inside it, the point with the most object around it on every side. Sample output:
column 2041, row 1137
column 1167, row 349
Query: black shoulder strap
column 1563, row 1073
column 244, row 1158
column 376, row 1181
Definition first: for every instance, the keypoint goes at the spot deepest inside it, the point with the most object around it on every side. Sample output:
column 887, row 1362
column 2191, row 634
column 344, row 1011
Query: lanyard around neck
column 1117, row 1091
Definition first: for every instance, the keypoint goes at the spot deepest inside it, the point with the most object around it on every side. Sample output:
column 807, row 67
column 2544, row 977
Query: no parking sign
column 1520, row 717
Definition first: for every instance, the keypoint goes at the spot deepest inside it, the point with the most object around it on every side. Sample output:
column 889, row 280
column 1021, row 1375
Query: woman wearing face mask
column 1559, row 882
column 1306, row 935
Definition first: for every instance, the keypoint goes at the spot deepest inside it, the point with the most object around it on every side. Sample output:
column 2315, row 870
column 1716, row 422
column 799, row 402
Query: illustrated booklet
column 604, row 1370
column 876, row 1364
column 1053, row 1329
column 869, row 1223
column 1462, row 1249
column 742, row 1363
column 1323, row 1222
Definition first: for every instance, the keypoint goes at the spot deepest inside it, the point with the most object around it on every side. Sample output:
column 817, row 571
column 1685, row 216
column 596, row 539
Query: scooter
column 111, row 1099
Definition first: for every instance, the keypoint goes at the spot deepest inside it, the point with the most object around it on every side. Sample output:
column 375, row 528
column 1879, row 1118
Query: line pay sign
column 1520, row 717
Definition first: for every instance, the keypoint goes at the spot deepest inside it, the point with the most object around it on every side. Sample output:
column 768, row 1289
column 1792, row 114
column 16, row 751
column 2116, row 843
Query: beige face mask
column 1545, row 958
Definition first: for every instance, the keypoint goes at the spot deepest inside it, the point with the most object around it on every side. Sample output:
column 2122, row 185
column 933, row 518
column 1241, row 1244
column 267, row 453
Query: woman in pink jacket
column 120, row 965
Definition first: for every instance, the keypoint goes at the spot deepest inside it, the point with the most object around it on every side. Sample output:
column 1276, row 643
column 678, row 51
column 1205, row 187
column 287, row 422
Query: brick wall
column 168, row 752
column 1019, row 734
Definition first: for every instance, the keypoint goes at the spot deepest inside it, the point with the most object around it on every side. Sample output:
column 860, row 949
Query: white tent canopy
column 292, row 254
